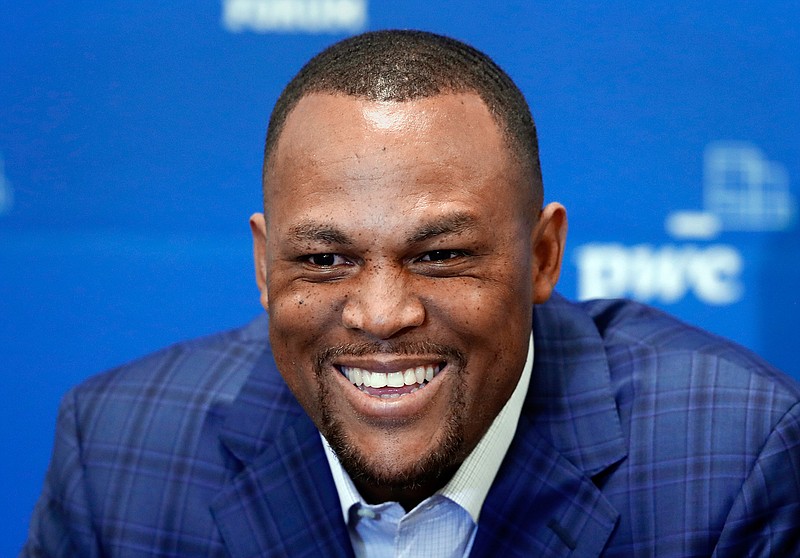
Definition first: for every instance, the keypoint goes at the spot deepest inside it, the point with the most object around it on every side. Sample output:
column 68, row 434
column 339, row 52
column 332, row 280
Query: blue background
column 130, row 152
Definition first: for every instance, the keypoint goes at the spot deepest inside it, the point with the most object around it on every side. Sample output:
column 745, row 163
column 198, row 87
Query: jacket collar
column 264, row 406
column 544, row 501
column 281, row 500
column 571, row 399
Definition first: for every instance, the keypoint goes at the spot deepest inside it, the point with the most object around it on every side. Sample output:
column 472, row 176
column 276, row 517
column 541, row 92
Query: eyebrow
column 328, row 234
column 449, row 224
column 315, row 232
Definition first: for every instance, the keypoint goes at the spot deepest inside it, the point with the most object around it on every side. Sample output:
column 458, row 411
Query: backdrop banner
column 130, row 152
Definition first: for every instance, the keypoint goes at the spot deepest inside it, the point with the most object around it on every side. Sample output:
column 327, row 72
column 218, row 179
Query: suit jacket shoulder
column 656, row 438
column 711, row 420
column 197, row 450
column 137, row 447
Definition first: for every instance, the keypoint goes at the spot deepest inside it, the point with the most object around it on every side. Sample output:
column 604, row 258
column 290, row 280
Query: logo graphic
column 742, row 191
column 6, row 193
column 664, row 274
column 288, row 16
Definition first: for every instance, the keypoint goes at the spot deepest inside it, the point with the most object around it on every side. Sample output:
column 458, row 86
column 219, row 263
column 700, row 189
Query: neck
column 408, row 495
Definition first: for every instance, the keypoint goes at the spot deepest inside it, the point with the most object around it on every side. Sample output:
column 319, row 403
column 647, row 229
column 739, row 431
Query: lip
column 377, row 409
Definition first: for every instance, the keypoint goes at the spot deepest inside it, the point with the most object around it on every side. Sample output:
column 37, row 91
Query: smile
column 399, row 383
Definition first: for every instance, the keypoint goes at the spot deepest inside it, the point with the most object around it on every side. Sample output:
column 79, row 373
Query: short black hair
column 403, row 65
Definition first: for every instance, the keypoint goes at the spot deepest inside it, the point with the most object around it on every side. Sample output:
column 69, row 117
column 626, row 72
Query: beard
column 433, row 469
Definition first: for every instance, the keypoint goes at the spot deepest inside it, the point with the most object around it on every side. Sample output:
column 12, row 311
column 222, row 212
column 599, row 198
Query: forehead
column 335, row 145
column 320, row 120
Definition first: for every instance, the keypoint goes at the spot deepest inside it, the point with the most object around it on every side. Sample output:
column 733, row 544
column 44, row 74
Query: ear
column 259, row 228
column 549, row 240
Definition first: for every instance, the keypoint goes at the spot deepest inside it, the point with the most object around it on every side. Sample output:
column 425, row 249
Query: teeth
column 378, row 380
column 395, row 379
column 409, row 377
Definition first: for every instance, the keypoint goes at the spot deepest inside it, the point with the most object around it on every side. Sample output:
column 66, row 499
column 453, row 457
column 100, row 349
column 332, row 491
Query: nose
column 382, row 303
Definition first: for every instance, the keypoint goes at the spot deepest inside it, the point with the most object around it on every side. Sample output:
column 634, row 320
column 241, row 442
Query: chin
column 393, row 469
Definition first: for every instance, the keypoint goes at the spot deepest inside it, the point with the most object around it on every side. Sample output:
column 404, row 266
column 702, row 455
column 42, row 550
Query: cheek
column 492, row 322
column 481, row 308
column 300, row 310
column 298, row 321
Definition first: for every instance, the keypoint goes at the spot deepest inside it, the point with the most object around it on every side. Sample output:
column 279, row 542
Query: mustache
column 404, row 348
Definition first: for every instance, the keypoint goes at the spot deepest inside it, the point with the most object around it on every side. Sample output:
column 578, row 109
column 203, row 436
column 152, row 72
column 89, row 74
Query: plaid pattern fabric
column 657, row 439
column 640, row 436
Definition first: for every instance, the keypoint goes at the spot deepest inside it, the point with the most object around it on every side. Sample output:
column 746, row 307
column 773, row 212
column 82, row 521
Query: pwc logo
column 742, row 191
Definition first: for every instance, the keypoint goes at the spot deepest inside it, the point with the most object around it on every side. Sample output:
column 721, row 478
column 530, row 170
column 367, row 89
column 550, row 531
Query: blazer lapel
column 541, row 505
column 545, row 500
column 281, row 500
column 284, row 503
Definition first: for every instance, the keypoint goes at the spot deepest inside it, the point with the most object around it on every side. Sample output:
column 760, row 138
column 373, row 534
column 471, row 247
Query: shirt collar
column 470, row 485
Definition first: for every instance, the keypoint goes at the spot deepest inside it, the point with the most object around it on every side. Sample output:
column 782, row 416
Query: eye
column 326, row 260
column 440, row 255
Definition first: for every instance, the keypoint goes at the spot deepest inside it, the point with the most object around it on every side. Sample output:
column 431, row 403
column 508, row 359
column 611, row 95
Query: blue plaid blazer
column 640, row 436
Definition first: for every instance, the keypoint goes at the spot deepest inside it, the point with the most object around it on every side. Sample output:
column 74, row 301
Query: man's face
column 399, row 261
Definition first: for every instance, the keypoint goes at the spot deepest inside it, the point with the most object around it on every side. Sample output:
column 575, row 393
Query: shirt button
column 367, row 513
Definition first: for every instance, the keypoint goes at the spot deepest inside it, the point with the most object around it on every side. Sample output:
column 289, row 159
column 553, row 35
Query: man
column 403, row 405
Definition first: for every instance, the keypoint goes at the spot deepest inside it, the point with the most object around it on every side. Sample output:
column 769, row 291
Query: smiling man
column 398, row 294
column 417, row 388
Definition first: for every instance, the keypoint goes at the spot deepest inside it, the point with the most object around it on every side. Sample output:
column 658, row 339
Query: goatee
column 431, row 470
